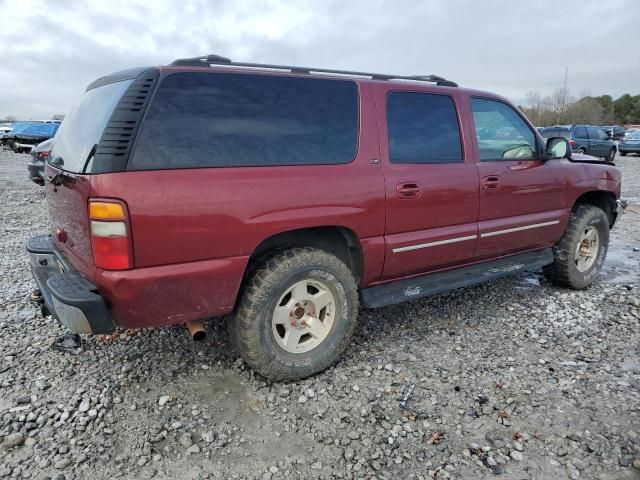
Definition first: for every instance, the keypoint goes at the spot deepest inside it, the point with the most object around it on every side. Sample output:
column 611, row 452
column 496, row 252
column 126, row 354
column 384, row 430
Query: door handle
column 492, row 182
column 408, row 190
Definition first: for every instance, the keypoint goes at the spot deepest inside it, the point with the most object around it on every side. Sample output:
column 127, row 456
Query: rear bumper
column 70, row 298
column 137, row 298
column 36, row 171
column 629, row 148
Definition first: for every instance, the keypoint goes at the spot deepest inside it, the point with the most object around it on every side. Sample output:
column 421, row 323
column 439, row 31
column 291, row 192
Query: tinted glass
column 596, row 133
column 555, row 132
column 422, row 128
column 82, row 128
column 220, row 120
column 580, row 132
column 502, row 134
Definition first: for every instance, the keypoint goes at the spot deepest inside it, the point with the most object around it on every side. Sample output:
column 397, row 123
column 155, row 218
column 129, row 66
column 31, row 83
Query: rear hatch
column 69, row 171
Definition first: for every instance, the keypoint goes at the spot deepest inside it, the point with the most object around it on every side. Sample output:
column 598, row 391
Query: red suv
column 285, row 197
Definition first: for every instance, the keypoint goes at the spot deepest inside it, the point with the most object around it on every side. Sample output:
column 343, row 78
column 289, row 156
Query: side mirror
column 557, row 147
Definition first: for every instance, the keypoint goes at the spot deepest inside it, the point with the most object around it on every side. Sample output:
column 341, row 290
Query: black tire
column 611, row 156
column 623, row 154
column 582, row 150
column 564, row 270
column 250, row 329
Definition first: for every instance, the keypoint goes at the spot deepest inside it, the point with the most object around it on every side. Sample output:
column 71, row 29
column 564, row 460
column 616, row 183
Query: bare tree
column 534, row 101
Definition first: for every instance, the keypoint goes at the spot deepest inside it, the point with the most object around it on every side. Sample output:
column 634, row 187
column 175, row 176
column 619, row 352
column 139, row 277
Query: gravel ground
column 516, row 378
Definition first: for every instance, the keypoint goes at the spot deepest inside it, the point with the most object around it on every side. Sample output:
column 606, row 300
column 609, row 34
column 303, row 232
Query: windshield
column 634, row 135
column 82, row 128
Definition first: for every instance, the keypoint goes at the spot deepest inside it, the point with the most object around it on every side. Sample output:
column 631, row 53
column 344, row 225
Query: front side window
column 502, row 134
column 201, row 119
column 422, row 128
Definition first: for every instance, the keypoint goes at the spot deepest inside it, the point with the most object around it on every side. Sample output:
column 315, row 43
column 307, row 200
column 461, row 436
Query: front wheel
column 296, row 315
column 580, row 253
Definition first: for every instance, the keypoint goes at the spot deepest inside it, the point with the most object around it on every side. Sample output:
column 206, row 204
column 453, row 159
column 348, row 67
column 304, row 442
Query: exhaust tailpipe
column 196, row 330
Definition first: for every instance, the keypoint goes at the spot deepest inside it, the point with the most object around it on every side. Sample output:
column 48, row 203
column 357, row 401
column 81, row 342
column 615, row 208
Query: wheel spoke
column 321, row 300
column 282, row 315
column 299, row 292
column 292, row 338
column 316, row 328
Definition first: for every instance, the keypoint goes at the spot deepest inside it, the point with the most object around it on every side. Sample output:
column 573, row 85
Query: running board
column 435, row 283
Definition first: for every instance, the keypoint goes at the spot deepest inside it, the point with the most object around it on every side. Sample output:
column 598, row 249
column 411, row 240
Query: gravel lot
column 516, row 378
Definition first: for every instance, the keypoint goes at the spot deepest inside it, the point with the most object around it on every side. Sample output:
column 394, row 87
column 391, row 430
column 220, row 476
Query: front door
column 431, row 186
column 522, row 198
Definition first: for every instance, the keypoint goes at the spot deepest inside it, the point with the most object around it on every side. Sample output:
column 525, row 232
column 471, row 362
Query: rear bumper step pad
column 70, row 298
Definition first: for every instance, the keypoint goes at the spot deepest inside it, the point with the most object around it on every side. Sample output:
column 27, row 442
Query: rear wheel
column 296, row 315
column 611, row 155
column 623, row 154
column 582, row 150
column 580, row 253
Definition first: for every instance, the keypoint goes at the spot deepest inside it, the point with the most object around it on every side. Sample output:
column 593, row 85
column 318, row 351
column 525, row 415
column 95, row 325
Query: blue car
column 630, row 143
column 584, row 139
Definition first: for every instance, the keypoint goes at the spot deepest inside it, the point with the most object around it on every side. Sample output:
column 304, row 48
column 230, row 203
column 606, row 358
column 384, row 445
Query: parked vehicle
column 630, row 143
column 5, row 128
column 24, row 135
column 629, row 131
column 615, row 132
column 284, row 198
column 39, row 155
column 585, row 139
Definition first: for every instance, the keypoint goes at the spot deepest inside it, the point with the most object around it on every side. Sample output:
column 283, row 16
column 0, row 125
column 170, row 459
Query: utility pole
column 564, row 95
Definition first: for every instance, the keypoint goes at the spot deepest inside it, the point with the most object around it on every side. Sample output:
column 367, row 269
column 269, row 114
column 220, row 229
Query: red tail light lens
column 43, row 155
column 110, row 241
column 572, row 142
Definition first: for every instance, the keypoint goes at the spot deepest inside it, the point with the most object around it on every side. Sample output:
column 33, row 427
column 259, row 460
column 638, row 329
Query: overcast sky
column 49, row 52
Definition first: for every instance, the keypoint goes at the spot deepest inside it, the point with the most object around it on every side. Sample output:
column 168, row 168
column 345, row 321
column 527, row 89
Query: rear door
column 581, row 139
column 598, row 141
column 522, row 198
column 431, row 186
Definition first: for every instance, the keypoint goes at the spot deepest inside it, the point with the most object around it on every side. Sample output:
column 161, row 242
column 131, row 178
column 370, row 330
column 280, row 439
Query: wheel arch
column 338, row 240
column 603, row 199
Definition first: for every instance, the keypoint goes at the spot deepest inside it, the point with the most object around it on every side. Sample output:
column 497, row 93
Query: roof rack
column 208, row 60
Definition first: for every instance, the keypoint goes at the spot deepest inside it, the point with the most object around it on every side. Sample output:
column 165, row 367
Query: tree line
column 562, row 108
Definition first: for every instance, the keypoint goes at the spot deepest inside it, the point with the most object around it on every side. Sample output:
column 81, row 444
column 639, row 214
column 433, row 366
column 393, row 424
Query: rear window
column 82, row 128
column 225, row 120
column 555, row 132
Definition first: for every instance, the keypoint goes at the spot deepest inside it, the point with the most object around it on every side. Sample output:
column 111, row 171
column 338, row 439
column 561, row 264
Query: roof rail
column 208, row 60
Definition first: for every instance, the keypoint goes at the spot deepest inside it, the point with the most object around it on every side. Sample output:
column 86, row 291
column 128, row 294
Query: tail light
column 42, row 155
column 110, row 240
column 572, row 142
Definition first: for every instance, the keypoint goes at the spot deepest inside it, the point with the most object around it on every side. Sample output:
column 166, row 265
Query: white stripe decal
column 518, row 229
column 434, row 244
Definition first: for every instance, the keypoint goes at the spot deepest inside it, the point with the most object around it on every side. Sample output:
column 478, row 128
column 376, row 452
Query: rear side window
column 422, row 128
column 229, row 120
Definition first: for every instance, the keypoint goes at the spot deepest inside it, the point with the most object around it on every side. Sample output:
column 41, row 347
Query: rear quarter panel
column 183, row 219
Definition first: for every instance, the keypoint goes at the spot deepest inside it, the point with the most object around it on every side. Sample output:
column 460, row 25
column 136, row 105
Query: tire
column 611, row 156
column 570, row 268
column 269, row 339
column 623, row 154
column 582, row 150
